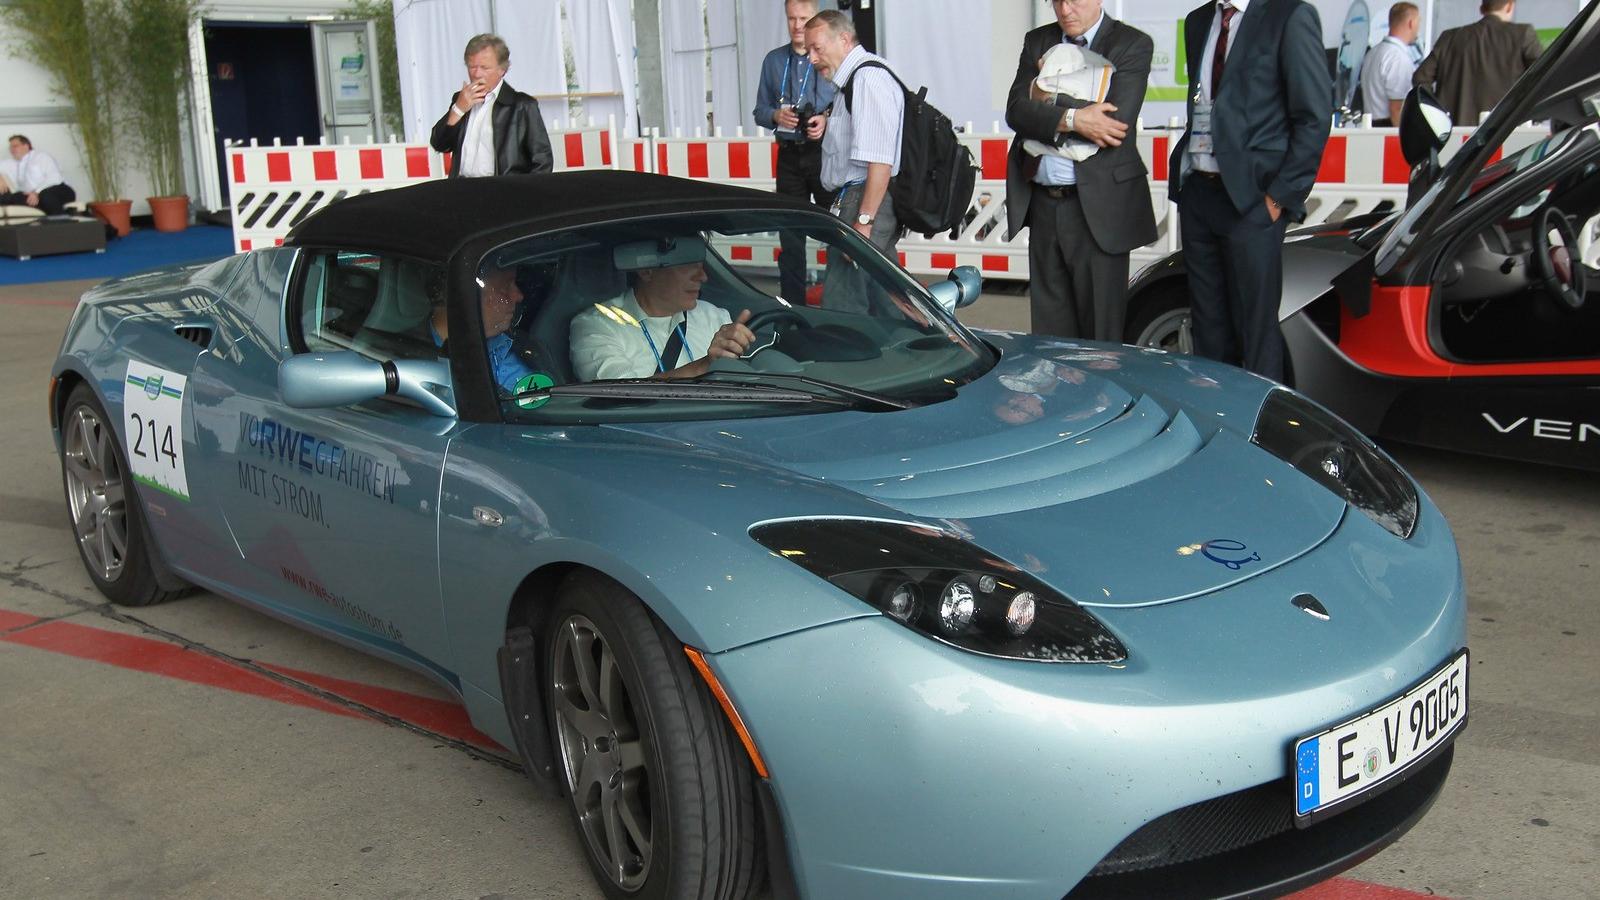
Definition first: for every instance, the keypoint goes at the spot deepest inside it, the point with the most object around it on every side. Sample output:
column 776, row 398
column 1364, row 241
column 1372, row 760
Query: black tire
column 663, row 753
column 103, row 506
column 1159, row 318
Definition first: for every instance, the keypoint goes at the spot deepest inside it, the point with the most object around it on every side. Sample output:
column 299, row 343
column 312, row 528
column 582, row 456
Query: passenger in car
column 499, row 295
column 658, row 328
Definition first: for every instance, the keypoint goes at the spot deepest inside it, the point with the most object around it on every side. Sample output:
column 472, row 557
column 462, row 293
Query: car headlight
column 944, row 587
column 1343, row 460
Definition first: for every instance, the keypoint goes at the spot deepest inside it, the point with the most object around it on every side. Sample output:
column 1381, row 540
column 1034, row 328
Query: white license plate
column 1336, row 765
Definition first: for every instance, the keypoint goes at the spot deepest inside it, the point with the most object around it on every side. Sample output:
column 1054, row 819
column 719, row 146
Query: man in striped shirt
column 861, row 147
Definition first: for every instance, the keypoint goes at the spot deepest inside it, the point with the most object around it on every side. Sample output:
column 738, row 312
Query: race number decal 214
column 152, row 426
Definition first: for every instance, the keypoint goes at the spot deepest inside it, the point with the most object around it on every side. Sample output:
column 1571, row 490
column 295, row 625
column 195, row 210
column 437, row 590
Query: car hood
column 1114, row 493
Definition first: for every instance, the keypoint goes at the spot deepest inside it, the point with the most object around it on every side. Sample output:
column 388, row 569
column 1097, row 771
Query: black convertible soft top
column 433, row 219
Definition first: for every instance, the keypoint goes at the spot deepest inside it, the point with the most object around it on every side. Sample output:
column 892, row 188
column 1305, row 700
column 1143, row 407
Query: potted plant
column 154, row 65
column 66, row 38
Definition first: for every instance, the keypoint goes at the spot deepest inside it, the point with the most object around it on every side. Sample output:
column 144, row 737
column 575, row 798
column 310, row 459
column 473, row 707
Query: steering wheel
column 772, row 317
column 1556, row 260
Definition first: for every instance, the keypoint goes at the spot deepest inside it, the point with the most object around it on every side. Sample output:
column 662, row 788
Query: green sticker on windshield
column 533, row 381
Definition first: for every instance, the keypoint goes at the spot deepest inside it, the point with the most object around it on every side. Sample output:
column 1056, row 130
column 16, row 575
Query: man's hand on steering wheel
column 732, row 339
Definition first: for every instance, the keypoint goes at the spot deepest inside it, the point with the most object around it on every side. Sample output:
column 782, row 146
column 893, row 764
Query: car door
column 334, row 511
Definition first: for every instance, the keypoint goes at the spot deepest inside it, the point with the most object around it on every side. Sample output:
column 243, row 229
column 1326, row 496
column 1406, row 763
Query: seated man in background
column 499, row 295
column 658, row 328
column 38, row 180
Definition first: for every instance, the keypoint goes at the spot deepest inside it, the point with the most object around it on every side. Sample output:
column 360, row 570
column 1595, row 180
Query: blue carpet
column 143, row 248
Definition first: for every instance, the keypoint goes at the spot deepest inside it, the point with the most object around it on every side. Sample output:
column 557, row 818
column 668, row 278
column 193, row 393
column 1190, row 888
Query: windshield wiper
column 871, row 398
column 657, row 389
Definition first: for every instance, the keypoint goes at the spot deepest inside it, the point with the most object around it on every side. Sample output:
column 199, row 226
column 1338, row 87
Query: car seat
column 397, row 326
column 586, row 277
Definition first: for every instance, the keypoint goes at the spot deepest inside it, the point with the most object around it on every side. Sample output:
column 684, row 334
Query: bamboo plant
column 154, row 64
column 67, row 39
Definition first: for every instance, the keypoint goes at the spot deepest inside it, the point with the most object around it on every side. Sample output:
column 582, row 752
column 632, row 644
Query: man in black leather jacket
column 491, row 128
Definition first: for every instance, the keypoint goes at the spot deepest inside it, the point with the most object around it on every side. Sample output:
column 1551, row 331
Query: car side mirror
column 960, row 289
column 322, row 380
column 1424, row 126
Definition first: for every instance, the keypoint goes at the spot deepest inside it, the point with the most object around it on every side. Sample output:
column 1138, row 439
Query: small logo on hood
column 1228, row 552
column 152, row 387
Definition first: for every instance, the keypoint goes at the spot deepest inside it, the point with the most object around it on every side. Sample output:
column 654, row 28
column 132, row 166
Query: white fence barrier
column 275, row 187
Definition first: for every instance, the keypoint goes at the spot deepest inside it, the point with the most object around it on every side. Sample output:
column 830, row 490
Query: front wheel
column 661, row 792
column 107, row 520
column 1162, row 320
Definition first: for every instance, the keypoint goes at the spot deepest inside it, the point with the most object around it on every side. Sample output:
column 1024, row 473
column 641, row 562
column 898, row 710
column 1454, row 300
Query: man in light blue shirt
column 793, row 99
column 500, row 296
column 1386, row 72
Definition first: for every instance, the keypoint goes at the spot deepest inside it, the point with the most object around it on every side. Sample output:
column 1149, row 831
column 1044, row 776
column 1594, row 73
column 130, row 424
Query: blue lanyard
column 805, row 79
column 661, row 365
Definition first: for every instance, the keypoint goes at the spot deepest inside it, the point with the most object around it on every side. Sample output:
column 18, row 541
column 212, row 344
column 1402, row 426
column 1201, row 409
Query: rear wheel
column 107, row 520
column 661, row 792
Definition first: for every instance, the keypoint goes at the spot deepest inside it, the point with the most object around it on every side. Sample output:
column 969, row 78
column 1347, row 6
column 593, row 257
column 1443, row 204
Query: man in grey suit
column 1083, row 217
column 1473, row 66
column 1259, row 115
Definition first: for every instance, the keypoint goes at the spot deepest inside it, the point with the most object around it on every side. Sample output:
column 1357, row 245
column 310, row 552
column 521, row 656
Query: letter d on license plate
column 1333, row 767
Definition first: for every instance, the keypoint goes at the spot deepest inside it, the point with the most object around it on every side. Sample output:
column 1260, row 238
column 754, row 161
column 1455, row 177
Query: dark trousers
column 799, row 175
column 52, row 200
column 1075, row 289
column 1235, row 266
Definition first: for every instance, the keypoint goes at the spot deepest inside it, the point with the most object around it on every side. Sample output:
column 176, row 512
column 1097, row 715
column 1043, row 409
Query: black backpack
column 934, row 188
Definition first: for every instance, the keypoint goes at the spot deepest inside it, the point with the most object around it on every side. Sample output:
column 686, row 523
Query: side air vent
column 199, row 335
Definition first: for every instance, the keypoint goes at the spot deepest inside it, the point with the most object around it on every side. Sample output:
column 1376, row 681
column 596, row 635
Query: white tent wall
column 430, row 36
column 602, row 50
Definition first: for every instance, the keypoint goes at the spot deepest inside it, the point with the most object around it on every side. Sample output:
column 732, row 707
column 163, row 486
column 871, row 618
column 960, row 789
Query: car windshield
column 695, row 316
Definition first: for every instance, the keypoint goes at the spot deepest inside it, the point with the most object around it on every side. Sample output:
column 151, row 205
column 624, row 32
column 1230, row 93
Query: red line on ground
column 161, row 658
column 157, row 657
column 11, row 621
column 445, row 717
column 1350, row 889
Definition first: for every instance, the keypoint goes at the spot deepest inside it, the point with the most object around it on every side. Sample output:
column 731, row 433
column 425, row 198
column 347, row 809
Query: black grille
column 194, row 334
column 1204, row 829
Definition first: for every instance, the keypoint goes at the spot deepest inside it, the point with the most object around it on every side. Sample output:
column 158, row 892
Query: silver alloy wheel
column 96, row 493
column 1169, row 331
column 602, row 753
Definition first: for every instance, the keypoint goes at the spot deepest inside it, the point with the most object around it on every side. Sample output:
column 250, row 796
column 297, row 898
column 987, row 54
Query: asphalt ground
column 199, row 749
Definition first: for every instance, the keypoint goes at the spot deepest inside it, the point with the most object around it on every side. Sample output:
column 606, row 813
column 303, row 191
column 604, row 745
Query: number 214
column 141, row 425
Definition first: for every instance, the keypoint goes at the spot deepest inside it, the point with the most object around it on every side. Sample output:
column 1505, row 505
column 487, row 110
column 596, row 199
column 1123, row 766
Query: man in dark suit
column 1260, row 110
column 490, row 128
column 1473, row 66
column 1083, row 217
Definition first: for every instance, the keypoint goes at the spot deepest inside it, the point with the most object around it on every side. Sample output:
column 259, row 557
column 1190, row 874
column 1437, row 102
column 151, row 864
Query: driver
column 658, row 328
column 499, row 295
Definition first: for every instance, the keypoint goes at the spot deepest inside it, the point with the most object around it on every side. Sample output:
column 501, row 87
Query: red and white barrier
column 275, row 187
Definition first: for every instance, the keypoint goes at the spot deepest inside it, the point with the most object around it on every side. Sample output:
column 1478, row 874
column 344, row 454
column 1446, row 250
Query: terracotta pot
column 113, row 213
column 169, row 213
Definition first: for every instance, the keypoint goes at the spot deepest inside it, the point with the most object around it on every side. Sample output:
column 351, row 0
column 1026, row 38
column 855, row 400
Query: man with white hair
column 860, row 149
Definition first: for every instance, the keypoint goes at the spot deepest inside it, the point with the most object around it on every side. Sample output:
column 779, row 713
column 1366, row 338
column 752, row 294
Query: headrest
column 659, row 254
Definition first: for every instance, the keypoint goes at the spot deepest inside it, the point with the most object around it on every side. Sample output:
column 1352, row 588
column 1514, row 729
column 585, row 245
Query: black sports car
column 1471, row 320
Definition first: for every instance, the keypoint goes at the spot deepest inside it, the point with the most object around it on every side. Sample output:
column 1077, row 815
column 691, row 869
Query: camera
column 806, row 113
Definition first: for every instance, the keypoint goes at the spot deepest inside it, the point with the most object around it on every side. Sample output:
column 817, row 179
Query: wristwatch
column 864, row 219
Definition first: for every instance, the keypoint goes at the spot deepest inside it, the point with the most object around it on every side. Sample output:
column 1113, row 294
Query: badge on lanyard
column 1200, row 127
